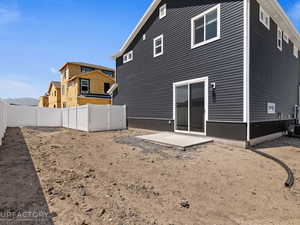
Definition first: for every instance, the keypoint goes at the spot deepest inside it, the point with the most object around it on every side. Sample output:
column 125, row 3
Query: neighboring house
column 44, row 101
column 54, row 93
column 84, row 83
column 227, row 69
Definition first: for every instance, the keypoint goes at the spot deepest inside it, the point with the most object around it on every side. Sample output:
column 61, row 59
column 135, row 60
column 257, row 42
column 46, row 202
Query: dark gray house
column 222, row 68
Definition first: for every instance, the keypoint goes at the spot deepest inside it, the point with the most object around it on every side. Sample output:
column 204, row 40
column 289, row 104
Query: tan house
column 54, row 93
column 83, row 83
column 44, row 101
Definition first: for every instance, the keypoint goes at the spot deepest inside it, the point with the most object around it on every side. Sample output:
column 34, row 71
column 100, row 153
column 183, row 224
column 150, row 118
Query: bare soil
column 113, row 178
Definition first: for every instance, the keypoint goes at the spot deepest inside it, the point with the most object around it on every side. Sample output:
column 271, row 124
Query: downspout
column 246, row 107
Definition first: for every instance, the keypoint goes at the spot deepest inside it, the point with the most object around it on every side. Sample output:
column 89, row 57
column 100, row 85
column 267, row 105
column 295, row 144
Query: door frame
column 188, row 82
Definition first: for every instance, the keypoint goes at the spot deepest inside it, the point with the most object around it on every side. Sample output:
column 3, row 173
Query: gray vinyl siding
column 274, row 75
column 146, row 83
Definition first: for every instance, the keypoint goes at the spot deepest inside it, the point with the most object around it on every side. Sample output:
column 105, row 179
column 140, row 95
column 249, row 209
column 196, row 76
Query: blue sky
column 39, row 36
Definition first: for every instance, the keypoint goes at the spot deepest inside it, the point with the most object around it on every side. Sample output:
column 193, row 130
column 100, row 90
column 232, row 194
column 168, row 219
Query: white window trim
column 162, row 11
column 128, row 57
column 279, row 38
column 286, row 37
column 261, row 10
column 296, row 51
column 218, row 7
column 271, row 108
column 155, row 47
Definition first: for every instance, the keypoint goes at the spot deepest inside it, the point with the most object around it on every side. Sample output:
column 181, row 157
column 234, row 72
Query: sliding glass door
column 182, row 108
column 190, row 106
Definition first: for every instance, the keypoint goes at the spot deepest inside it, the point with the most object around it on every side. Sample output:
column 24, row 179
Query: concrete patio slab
column 175, row 139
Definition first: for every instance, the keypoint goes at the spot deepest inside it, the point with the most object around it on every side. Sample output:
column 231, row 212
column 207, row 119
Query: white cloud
column 9, row 15
column 294, row 13
column 53, row 70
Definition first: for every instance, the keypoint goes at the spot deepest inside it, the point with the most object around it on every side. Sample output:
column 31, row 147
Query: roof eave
column 137, row 28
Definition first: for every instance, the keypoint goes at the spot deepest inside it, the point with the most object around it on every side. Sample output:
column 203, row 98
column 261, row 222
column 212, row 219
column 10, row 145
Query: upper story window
column 84, row 86
column 158, row 46
column 206, row 27
column 279, row 38
column 286, row 37
column 85, row 69
column 296, row 51
column 264, row 18
column 109, row 73
column 162, row 11
column 128, row 57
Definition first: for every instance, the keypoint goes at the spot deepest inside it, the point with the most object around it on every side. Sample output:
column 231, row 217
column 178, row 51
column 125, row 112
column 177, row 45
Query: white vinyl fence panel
column 95, row 117
column 85, row 118
column 3, row 119
column 20, row 116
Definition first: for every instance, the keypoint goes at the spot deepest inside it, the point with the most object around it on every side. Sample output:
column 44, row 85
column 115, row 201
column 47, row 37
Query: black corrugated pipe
column 290, row 181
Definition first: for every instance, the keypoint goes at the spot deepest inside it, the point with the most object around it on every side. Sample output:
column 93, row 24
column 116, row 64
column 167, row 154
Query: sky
column 38, row 36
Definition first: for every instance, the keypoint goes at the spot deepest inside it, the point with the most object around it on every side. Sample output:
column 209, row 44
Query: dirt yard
column 112, row 178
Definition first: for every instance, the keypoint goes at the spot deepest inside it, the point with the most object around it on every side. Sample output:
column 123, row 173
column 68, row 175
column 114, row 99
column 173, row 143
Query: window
column 85, row 69
column 63, row 89
column 279, row 38
column 106, row 87
column 296, row 51
column 271, row 108
column 285, row 37
column 54, row 93
column 162, row 11
column 128, row 57
column 84, row 86
column 158, row 46
column 144, row 37
column 206, row 27
column 109, row 73
column 64, row 105
column 264, row 18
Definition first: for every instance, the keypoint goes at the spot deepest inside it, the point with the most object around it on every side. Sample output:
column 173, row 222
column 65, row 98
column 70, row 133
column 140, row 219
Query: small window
column 85, row 69
column 286, row 37
column 128, row 57
column 158, row 46
column 296, row 51
column 271, row 108
column 279, row 38
column 162, row 11
column 206, row 27
column 264, row 18
column 106, row 87
column 84, row 86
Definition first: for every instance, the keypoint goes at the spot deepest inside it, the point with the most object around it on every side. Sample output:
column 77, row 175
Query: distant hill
column 22, row 101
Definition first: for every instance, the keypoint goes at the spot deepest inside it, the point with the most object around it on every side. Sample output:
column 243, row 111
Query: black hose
column 290, row 181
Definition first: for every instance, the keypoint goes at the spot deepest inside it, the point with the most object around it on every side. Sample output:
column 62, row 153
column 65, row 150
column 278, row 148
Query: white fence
column 85, row 118
column 20, row 116
column 3, row 119
column 95, row 117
